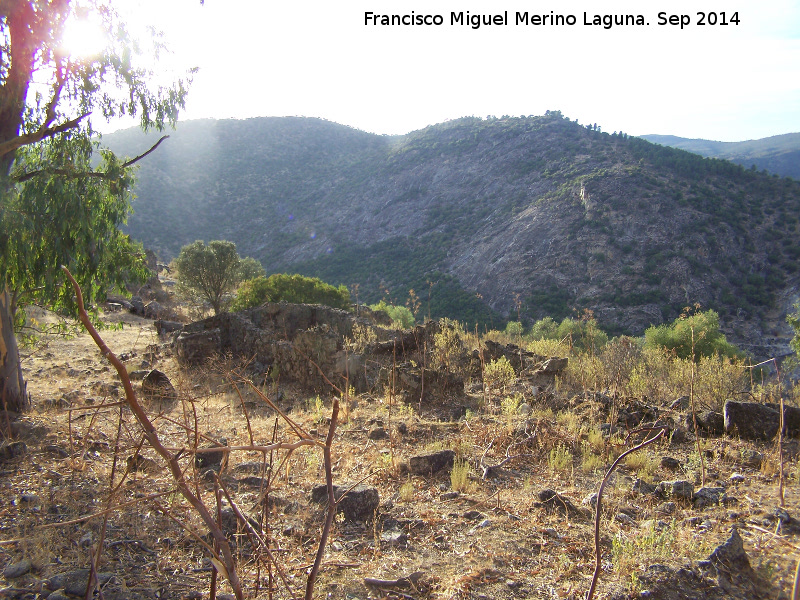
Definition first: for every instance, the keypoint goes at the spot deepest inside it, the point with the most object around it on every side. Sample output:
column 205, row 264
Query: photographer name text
column 551, row 19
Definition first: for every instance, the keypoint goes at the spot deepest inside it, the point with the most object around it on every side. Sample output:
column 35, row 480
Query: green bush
column 401, row 316
column 700, row 329
column 290, row 288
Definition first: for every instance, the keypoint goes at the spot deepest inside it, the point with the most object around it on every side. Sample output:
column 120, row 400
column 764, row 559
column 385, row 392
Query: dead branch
column 38, row 135
column 491, row 470
column 155, row 442
column 326, row 529
column 598, row 506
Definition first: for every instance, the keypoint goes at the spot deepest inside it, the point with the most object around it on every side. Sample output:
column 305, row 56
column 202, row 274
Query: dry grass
column 546, row 555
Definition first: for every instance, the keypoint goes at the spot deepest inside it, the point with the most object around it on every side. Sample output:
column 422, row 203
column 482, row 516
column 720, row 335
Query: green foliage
column 447, row 346
column 584, row 333
column 692, row 336
column 544, row 329
column 210, row 273
column 290, row 288
column 401, row 316
column 499, row 374
column 250, row 268
column 794, row 320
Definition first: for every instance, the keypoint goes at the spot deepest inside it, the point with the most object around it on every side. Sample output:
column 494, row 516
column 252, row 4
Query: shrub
column 692, row 336
column 401, row 316
column 290, row 288
column 499, row 373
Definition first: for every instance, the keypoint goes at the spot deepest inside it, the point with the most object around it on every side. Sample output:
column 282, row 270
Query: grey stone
column 670, row 463
column 17, row 569
column 640, row 486
column 359, row 504
column 426, row 464
column 157, row 386
column 711, row 422
column 212, row 459
column 708, row 496
column 666, row 508
column 753, row 421
column 676, row 489
column 751, row 458
column 377, row 433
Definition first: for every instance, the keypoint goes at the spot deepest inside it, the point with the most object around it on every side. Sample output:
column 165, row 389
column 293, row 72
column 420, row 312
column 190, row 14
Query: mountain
column 485, row 219
column 778, row 154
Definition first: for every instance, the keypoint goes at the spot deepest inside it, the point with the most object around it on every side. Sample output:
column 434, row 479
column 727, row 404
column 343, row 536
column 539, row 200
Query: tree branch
column 38, row 135
column 77, row 174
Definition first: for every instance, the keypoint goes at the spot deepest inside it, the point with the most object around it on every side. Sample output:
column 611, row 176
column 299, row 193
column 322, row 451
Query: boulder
column 359, row 504
column 753, row 421
column 427, row 464
column 157, row 386
column 711, row 422
column 676, row 489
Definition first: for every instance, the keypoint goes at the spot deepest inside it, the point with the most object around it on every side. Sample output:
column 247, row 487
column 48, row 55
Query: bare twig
column 598, row 506
column 326, row 529
column 155, row 442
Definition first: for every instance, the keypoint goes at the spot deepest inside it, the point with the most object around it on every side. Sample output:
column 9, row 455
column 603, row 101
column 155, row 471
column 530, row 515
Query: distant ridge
column 779, row 154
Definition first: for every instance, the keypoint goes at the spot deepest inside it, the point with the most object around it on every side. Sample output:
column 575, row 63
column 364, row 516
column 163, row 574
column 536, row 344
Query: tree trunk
column 12, row 386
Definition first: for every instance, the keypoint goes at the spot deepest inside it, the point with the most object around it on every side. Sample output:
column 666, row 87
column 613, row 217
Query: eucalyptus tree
column 58, row 205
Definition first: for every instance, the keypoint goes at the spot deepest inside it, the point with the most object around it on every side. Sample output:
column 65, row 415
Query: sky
column 318, row 58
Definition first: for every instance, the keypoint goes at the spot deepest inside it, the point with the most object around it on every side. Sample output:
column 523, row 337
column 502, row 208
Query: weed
column 499, row 374
column 595, row 440
column 459, row 476
column 590, row 462
column 510, row 404
column 571, row 422
column 629, row 551
column 644, row 465
column 407, row 491
column 560, row 459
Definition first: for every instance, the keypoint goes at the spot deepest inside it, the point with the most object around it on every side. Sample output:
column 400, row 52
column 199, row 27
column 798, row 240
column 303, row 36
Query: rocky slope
column 484, row 218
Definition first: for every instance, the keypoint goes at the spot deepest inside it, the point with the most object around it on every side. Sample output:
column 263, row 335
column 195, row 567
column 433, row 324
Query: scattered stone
column 679, row 489
column 552, row 501
column 730, row 561
column 59, row 595
column 141, row 464
column 736, row 478
column 427, row 464
column 751, row 458
column 253, row 468
column 402, row 428
column 87, row 539
column 12, row 450
column 708, row 496
column 212, row 459
column 669, row 463
column 624, row 519
column 449, row 495
column 377, row 433
column 666, row 508
column 394, row 538
column 590, row 500
column 553, row 365
column 157, row 386
column 681, row 403
column 359, row 504
column 472, row 515
column 711, row 422
column 640, row 486
column 74, row 582
column 524, row 409
column 28, row 498
column 18, row 569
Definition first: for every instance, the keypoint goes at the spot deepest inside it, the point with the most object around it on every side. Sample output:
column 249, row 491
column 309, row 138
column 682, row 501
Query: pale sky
column 318, row 59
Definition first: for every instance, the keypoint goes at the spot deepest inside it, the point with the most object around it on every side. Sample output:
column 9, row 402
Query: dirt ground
column 76, row 482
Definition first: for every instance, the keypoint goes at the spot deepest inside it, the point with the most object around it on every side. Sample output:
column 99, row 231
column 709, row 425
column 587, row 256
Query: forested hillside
column 779, row 154
column 485, row 218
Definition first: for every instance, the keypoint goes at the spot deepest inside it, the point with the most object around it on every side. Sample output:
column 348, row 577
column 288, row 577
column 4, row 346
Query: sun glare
column 83, row 38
